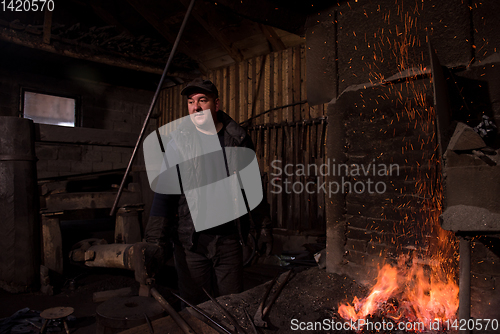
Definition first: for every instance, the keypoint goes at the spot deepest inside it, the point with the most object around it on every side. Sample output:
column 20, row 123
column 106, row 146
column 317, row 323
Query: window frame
column 78, row 115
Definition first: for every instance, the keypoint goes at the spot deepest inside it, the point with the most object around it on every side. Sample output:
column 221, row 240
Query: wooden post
column 47, row 25
column 52, row 243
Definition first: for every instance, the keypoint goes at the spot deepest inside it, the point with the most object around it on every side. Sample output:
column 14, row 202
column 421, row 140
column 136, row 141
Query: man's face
column 198, row 102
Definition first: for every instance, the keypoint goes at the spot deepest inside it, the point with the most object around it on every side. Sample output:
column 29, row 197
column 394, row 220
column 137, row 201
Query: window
column 49, row 109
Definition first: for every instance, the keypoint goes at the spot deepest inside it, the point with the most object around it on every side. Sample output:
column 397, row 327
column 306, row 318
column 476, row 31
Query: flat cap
column 200, row 85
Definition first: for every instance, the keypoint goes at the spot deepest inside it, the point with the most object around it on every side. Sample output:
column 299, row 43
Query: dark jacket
column 234, row 136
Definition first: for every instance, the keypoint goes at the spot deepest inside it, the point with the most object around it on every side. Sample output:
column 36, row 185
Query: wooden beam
column 149, row 10
column 80, row 51
column 52, row 244
column 89, row 200
column 107, row 17
column 47, row 26
column 87, row 136
column 202, row 13
column 272, row 37
column 270, row 13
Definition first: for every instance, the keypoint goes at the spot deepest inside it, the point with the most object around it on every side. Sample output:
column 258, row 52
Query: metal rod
column 150, row 326
column 272, row 109
column 255, row 331
column 303, row 122
column 464, row 280
column 226, row 313
column 266, row 294
column 173, row 313
column 276, row 294
column 151, row 107
column 224, row 329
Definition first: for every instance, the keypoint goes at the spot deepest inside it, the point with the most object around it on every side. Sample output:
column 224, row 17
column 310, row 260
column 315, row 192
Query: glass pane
column 49, row 109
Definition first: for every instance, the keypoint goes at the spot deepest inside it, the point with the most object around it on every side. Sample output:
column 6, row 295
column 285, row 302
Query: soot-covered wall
column 370, row 61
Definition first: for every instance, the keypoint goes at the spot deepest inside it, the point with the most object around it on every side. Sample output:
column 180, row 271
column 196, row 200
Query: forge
column 375, row 132
column 412, row 244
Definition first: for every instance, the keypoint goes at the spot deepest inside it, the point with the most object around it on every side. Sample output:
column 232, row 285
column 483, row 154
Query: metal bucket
column 19, row 227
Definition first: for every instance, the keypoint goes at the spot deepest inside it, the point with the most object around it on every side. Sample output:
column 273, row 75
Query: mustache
column 201, row 112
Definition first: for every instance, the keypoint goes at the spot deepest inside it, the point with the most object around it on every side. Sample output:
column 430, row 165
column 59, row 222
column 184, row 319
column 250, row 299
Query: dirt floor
column 311, row 294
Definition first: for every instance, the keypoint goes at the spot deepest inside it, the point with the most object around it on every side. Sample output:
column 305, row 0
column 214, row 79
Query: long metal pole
column 464, row 281
column 224, row 329
column 151, row 107
column 172, row 312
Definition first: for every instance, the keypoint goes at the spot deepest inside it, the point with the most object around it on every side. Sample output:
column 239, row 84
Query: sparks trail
column 424, row 284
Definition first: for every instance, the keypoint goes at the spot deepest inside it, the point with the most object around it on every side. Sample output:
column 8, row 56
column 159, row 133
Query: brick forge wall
column 393, row 124
column 386, row 216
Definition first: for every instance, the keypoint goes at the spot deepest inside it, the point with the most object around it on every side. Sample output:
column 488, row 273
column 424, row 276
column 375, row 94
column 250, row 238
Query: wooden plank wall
column 290, row 132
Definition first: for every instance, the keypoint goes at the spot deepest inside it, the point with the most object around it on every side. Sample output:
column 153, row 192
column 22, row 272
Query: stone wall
column 104, row 112
column 70, row 159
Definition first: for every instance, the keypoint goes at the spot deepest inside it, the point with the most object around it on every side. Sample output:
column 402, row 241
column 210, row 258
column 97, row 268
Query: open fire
column 409, row 294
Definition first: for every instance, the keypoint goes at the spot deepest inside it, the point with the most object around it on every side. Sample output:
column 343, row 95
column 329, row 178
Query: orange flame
column 423, row 296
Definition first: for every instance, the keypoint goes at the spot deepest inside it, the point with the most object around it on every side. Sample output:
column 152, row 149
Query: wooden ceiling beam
column 146, row 8
column 210, row 27
column 272, row 37
column 47, row 26
column 82, row 51
column 107, row 17
column 270, row 13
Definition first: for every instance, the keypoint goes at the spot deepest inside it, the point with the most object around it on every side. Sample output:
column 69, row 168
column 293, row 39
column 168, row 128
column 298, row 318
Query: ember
column 407, row 293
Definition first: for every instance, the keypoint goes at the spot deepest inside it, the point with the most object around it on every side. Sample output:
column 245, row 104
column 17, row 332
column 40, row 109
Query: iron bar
column 173, row 313
column 226, row 313
column 272, row 109
column 464, row 280
column 151, row 107
column 224, row 329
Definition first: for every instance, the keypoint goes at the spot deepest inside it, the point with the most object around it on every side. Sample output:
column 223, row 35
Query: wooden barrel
column 19, row 221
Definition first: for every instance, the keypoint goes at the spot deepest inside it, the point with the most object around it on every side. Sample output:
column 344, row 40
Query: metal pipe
column 151, row 107
column 173, row 313
column 110, row 256
column 464, row 280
